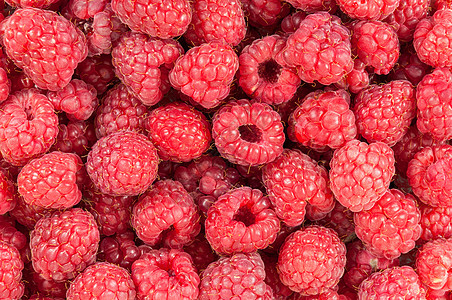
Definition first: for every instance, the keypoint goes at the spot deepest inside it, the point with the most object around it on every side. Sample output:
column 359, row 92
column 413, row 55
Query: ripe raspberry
column 248, row 133
column 201, row 252
column 161, row 19
column 120, row 110
column 361, row 173
column 123, row 163
column 50, row 288
column 119, row 249
column 370, row 10
column 429, row 175
column 323, row 120
column 8, row 196
column 141, row 63
column 28, row 126
column 272, row 277
column 59, row 44
column 102, row 281
column 166, row 213
column 384, row 112
column 264, row 13
column 433, row 102
column 64, row 244
column 205, row 73
column 409, row 67
column 431, row 39
column 5, row 85
column 30, row 3
column 292, row 181
column 85, row 9
column 292, row 22
column 340, row 219
column 27, row 214
column 75, row 137
column 436, row 222
column 315, row 6
column 396, row 282
column 11, row 267
column 179, row 132
column 391, row 226
column 320, row 260
column 165, row 274
column 320, row 49
column 441, row 4
column 12, row 236
column 358, row 79
column 261, row 74
column 97, row 71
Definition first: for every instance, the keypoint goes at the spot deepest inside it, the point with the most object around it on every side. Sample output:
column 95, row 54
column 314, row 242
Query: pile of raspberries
column 225, row 149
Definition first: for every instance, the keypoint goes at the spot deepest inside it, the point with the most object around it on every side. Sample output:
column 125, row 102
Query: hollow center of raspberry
column 171, row 273
column 269, row 71
column 250, row 133
column 245, row 216
column 29, row 113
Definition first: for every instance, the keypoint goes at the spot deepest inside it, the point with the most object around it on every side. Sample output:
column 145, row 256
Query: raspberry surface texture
column 8, row 196
column 370, row 10
column 435, row 222
column 11, row 267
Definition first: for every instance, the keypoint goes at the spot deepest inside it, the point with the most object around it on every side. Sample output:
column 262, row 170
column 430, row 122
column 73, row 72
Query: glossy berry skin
column 97, row 71
column 312, row 260
column 52, row 72
column 11, row 266
column 370, row 10
column 165, row 274
column 314, row 6
column 119, row 249
column 436, row 222
column 27, row 214
column 8, row 196
column 75, row 137
column 264, row 13
column 85, row 9
column 64, row 244
column 201, row 252
column 179, row 132
column 5, row 85
column 123, row 163
column 30, row 4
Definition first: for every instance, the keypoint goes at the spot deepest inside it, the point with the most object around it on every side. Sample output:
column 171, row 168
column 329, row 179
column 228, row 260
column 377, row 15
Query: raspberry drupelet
column 436, row 222
column 370, row 10
column 264, row 13
column 97, row 71
column 11, row 267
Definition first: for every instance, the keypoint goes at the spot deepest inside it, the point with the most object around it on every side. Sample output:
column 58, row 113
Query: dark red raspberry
column 436, row 222
column 85, row 9
column 205, row 73
column 272, row 279
column 370, row 10
column 166, row 214
column 320, row 49
column 28, row 126
column 165, row 274
column 361, row 173
column 119, row 249
column 384, row 112
column 64, row 244
column 5, row 85
column 201, row 252
column 358, row 79
column 27, row 214
column 11, row 267
column 12, row 236
column 340, row 219
column 145, row 78
column 320, row 260
column 97, row 71
column 45, row 288
column 8, row 196
column 261, row 74
column 123, row 163
column 248, row 133
column 292, row 22
column 409, row 67
column 315, row 6
column 179, row 132
column 75, row 137
column 102, row 281
column 264, row 13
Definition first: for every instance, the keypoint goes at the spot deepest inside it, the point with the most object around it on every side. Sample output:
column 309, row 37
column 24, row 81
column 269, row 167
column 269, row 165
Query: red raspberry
column 28, row 126
column 85, row 9
column 361, row 173
column 240, row 276
column 201, row 252
column 292, row 22
column 216, row 20
column 436, row 222
column 272, row 277
column 75, row 137
column 312, row 260
column 370, row 10
column 61, row 46
column 179, row 132
column 261, row 74
column 97, row 71
column 12, row 236
column 409, row 67
column 292, row 181
column 430, row 177
column 384, row 112
column 123, row 163
column 166, row 213
column 315, row 6
column 205, row 73
column 5, row 85
column 162, row 19
column 340, row 219
column 264, row 13
column 441, row 4
column 8, row 197
column 391, row 226
column 323, row 120
column 64, row 244
column 396, row 282
column 358, row 79
column 45, row 288
column 433, row 102
column 119, row 249
column 102, row 281
column 30, row 3
column 165, row 274
column 28, row 214
column 11, row 267
column 144, row 77
column 320, row 49
column 248, row 133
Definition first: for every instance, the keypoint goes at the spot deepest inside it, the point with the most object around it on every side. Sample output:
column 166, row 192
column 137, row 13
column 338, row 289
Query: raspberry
column 315, row 6
column 165, row 274
column 323, row 120
column 264, row 13
column 11, row 267
column 396, row 282
column 261, row 74
column 50, row 55
column 205, row 73
column 429, row 176
column 8, row 197
column 101, row 281
column 441, row 4
column 120, row 110
column 391, row 226
column 215, row 20
column 248, row 133
column 320, row 260
column 5, row 85
column 358, row 79
column 272, row 277
column 436, row 222
column 431, row 39
column 433, row 102
column 144, row 77
column 166, row 213
column 30, row 3
column 292, row 181
column 201, row 252
column 384, row 112
column 340, row 219
column 12, row 236
column 370, row 10
column 119, row 249
column 161, row 19
column 320, row 49
column 28, row 126
column 44, row 287
column 123, row 163
column 409, row 67
column 179, row 132
column 75, row 137
column 97, row 71
column 64, row 244
column 85, row 9
column 292, row 22
column 28, row 214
